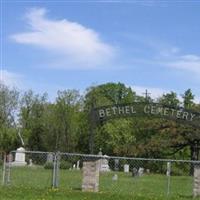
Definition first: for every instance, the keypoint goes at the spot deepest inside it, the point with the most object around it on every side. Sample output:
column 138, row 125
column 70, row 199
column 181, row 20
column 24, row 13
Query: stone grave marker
column 90, row 182
column 148, row 171
column 115, row 177
column 9, row 158
column 74, row 166
column 196, row 184
column 140, row 171
column 19, row 157
column 104, row 167
column 49, row 157
column 116, row 167
column 78, row 165
column 30, row 162
column 134, row 172
column 126, row 168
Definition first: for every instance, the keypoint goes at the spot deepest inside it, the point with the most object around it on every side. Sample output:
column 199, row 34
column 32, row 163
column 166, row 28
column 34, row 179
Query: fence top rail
column 130, row 158
column 110, row 157
column 34, row 152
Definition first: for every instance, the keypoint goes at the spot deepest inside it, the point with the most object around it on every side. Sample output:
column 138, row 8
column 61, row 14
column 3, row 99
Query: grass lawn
column 34, row 183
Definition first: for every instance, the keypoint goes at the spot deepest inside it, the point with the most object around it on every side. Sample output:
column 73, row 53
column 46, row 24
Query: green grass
column 34, row 183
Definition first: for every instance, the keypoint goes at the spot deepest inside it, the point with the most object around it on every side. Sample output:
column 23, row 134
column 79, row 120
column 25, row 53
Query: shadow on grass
column 77, row 188
column 186, row 196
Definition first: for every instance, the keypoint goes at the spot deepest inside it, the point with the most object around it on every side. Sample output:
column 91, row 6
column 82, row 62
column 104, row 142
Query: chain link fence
column 117, row 174
column 29, row 169
column 2, row 167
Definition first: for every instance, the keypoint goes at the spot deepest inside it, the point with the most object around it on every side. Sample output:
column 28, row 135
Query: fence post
column 168, row 177
column 4, row 169
column 56, row 167
column 7, row 161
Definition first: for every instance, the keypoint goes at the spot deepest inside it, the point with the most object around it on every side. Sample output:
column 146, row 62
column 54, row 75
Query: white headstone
column 116, row 167
column 140, row 171
column 104, row 167
column 19, row 157
column 100, row 152
column 148, row 171
column 30, row 162
column 74, row 166
column 49, row 157
column 126, row 168
column 115, row 177
column 10, row 158
column 78, row 165
column 134, row 172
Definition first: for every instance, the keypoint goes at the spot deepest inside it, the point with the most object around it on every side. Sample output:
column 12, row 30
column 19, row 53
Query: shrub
column 65, row 165
column 48, row 165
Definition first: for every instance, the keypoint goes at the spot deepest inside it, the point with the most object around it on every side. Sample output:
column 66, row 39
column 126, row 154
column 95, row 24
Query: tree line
column 31, row 120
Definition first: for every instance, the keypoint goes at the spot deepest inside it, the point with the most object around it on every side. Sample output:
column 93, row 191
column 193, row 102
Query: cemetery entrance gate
column 102, row 114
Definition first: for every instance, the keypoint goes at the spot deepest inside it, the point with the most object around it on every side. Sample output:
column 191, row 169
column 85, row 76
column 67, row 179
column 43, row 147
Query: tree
column 109, row 93
column 116, row 137
column 62, row 121
column 170, row 99
column 101, row 95
column 174, row 138
column 192, row 134
column 188, row 99
column 8, row 116
column 32, row 119
column 182, row 137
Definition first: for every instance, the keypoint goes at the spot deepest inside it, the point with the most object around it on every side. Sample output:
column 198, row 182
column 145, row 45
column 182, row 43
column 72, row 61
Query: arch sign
column 146, row 109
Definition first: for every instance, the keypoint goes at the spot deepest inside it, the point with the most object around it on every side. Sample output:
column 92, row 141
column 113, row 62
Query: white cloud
column 72, row 41
column 165, row 54
column 10, row 79
column 186, row 62
column 169, row 51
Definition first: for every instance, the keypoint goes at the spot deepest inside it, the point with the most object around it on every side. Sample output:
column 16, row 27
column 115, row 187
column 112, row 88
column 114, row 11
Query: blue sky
column 154, row 45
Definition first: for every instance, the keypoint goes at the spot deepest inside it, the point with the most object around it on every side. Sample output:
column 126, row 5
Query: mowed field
column 34, row 183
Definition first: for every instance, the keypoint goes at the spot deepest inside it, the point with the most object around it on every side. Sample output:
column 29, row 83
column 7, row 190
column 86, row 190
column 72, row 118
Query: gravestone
column 140, row 171
column 196, row 185
column 103, row 165
column 100, row 152
column 148, row 171
column 19, row 157
column 115, row 177
column 9, row 158
column 30, row 162
column 116, row 167
column 126, row 168
column 134, row 172
column 49, row 157
column 78, row 165
column 74, row 166
column 90, row 181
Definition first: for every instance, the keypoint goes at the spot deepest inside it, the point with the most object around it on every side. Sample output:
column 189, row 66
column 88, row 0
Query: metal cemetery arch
column 105, row 113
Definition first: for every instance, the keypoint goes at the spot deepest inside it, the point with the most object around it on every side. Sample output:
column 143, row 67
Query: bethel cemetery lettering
column 148, row 109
